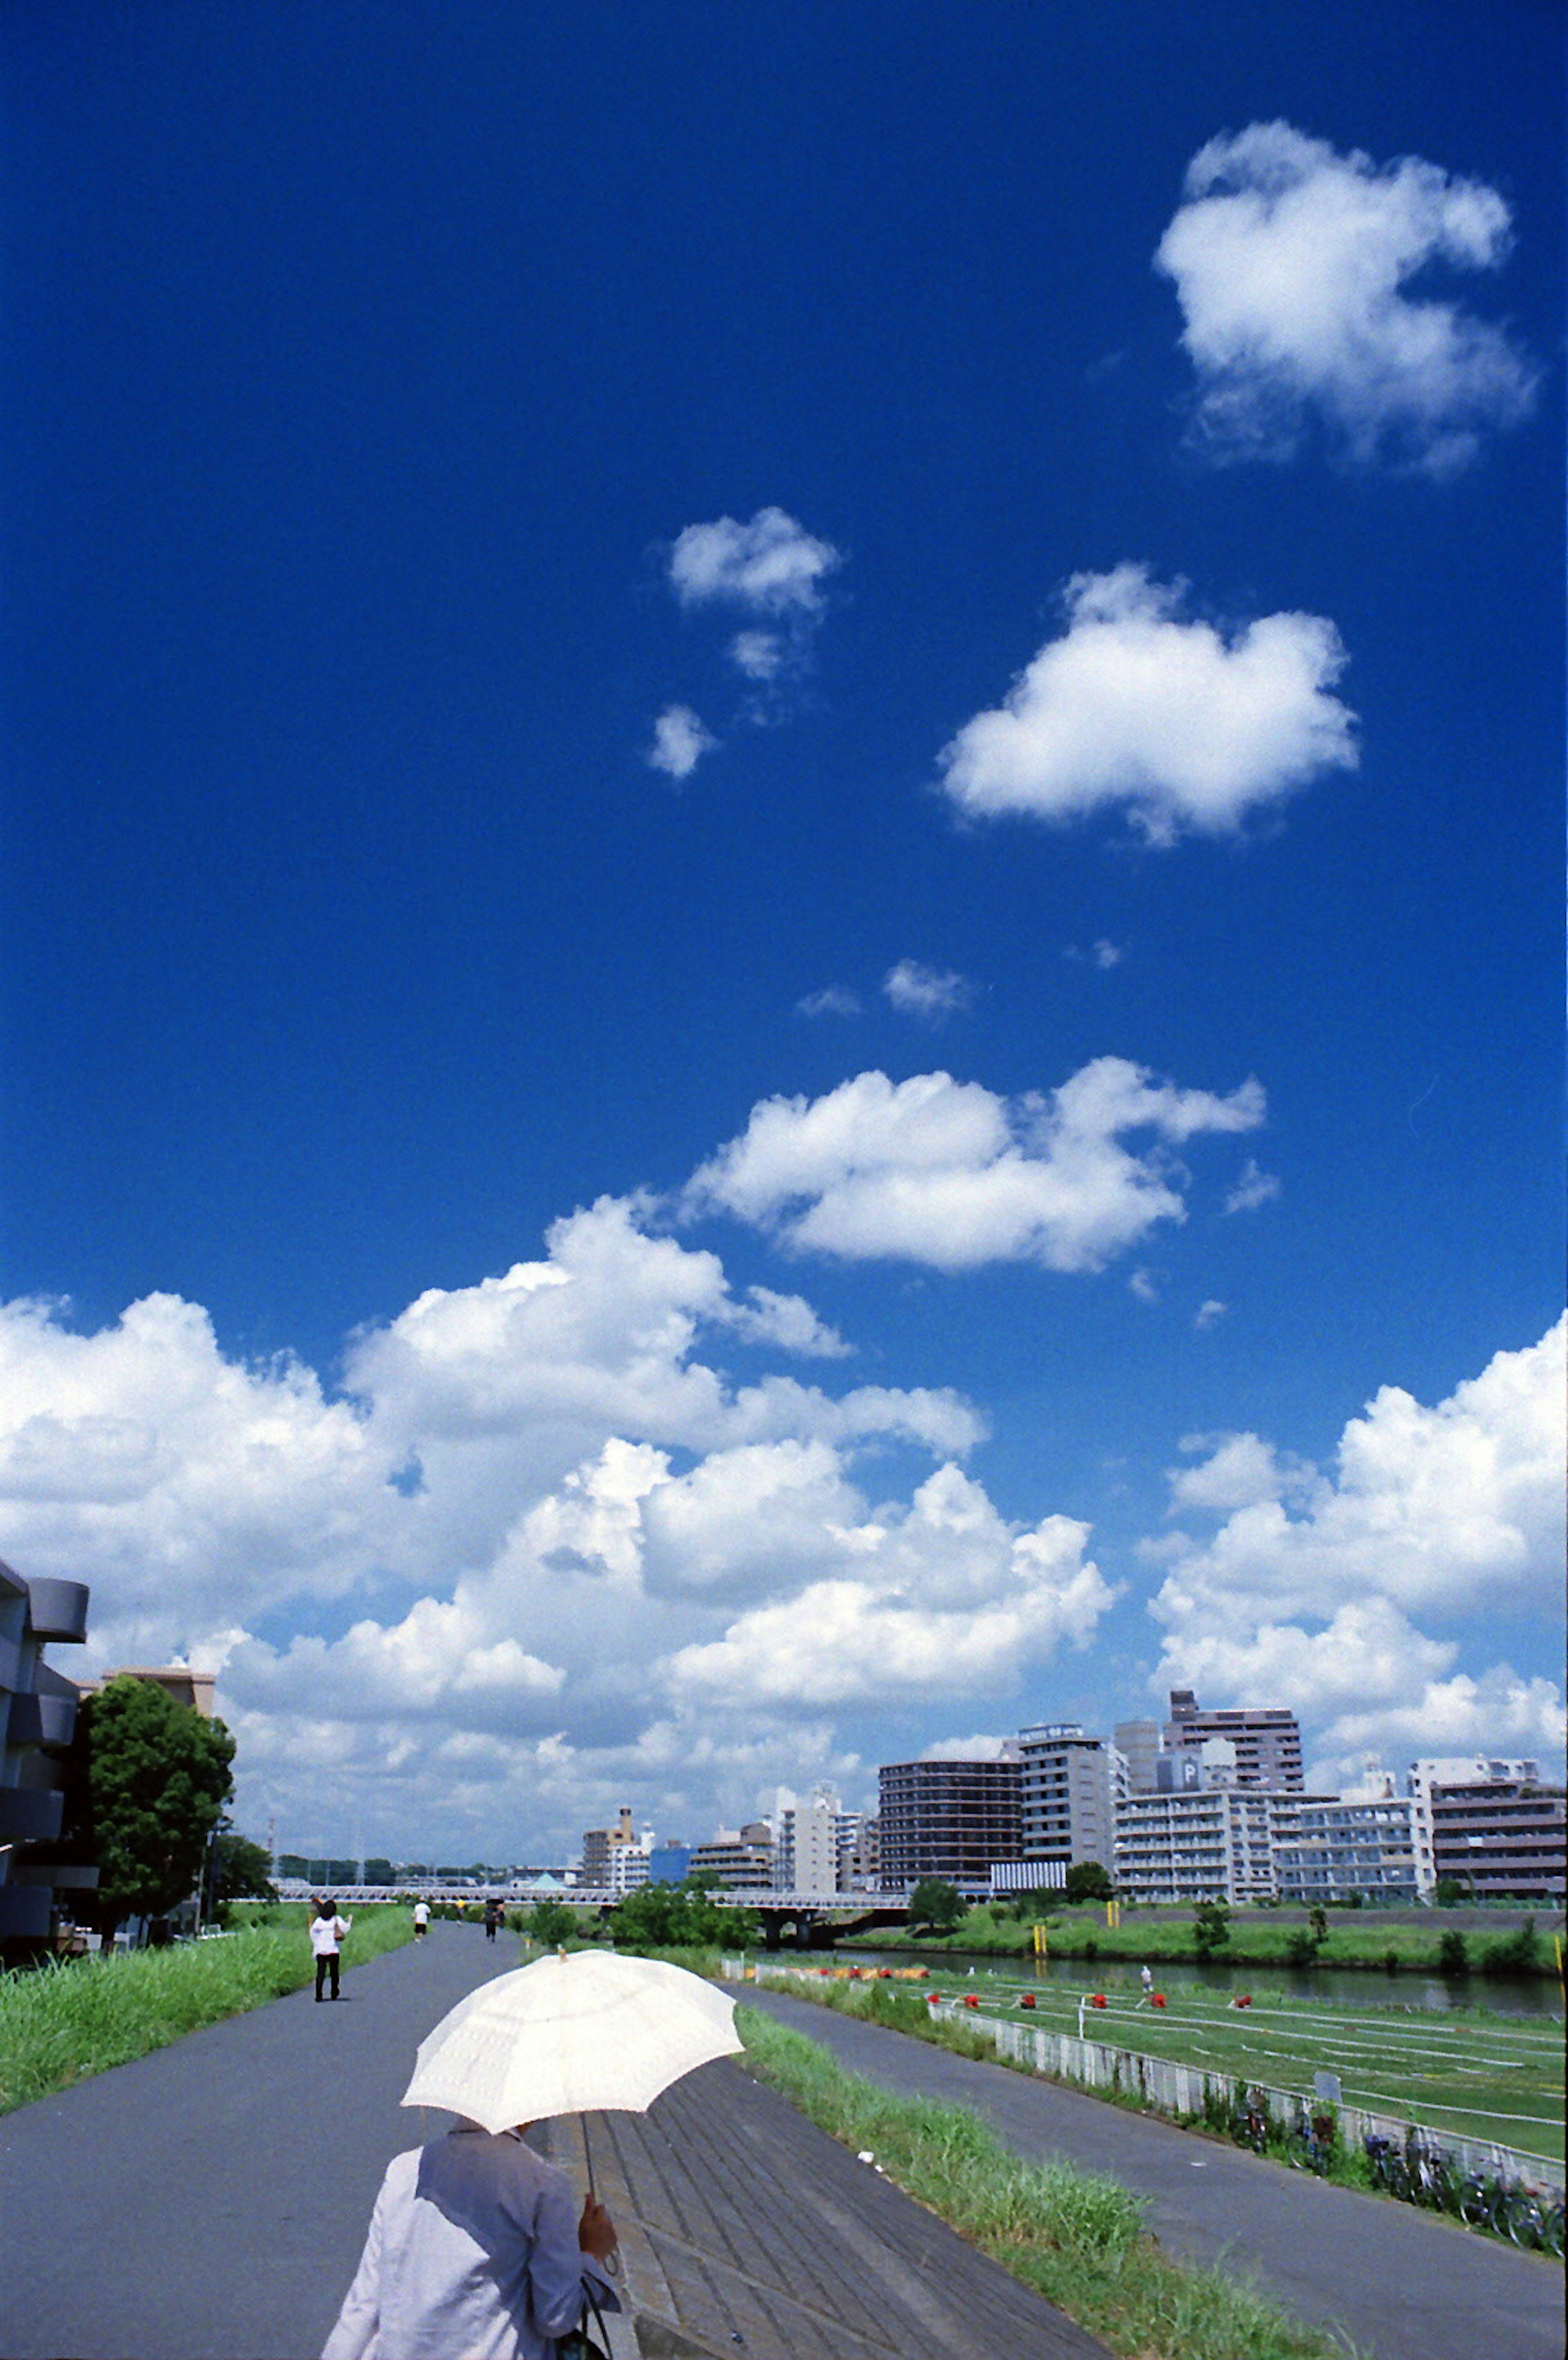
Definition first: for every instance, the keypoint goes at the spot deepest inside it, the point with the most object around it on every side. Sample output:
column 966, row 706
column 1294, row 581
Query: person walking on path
column 421, row 1919
column 493, row 1919
column 327, row 1932
column 473, row 2249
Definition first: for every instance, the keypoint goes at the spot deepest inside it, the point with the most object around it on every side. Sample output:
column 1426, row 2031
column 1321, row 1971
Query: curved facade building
column 37, row 1721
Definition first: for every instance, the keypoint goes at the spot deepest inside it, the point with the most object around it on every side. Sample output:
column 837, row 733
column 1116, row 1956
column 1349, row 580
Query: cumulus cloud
column 770, row 569
column 1254, row 1188
column 833, row 1000
column 941, row 1597
column 929, row 992
column 1191, row 728
column 1208, row 1314
column 680, row 741
column 946, row 1172
column 1307, row 1587
column 1293, row 266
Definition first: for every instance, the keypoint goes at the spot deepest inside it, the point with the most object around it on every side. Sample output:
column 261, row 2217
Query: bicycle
column 1312, row 2146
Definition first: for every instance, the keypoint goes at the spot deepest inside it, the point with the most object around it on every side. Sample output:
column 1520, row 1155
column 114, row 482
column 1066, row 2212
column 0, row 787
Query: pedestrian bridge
column 811, row 1920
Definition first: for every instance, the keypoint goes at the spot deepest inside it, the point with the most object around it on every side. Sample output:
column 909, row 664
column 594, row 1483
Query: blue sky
column 987, row 575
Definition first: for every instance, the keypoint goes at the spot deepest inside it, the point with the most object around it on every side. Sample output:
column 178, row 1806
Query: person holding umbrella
column 472, row 2247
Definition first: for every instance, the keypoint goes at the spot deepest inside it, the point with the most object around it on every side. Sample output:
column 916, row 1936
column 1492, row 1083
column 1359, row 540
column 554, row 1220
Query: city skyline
column 783, row 945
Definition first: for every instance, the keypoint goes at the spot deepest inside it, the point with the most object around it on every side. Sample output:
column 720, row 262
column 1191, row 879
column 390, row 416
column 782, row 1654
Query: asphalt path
column 210, row 2202
column 1405, row 2285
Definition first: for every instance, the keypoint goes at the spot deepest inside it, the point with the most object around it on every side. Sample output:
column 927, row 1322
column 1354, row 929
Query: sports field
column 1477, row 2075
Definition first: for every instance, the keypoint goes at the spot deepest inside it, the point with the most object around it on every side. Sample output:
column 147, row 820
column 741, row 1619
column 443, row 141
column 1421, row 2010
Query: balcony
column 58, row 1609
column 48, row 1720
column 29, row 1814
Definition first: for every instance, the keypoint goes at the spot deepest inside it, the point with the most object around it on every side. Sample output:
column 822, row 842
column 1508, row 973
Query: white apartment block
column 1196, row 1844
column 1326, row 1851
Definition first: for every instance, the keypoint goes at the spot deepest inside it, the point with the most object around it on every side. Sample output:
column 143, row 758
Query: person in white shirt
column 421, row 1918
column 473, row 2250
column 327, row 1932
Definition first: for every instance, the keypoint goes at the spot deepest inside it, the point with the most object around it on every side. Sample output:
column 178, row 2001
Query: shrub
column 1513, row 1954
column 1452, row 1956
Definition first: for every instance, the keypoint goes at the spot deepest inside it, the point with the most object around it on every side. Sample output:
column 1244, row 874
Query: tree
column 1211, row 1927
column 1088, row 1879
column 238, row 1871
column 936, row 1904
column 145, row 1784
column 379, row 1872
column 552, row 1923
column 678, row 1918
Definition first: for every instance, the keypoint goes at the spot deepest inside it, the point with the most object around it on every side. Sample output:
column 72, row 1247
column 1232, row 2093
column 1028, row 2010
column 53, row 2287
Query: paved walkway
column 209, row 2202
column 1406, row 2285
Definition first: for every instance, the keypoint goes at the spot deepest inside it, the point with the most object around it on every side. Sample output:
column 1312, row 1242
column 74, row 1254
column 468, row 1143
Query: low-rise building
column 740, row 1858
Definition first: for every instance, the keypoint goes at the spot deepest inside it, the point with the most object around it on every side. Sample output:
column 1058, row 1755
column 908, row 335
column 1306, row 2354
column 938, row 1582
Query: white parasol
column 577, row 2033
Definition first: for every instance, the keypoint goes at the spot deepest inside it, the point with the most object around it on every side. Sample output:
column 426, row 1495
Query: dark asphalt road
column 1405, row 2285
column 209, row 2202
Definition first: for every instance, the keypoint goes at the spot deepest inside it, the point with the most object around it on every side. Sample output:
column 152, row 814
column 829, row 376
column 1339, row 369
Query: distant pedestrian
column 1147, row 1979
column 493, row 1914
column 421, row 1919
column 327, row 1932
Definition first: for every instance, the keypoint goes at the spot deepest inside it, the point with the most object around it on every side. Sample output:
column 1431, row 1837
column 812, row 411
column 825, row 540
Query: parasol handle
column 611, row 2263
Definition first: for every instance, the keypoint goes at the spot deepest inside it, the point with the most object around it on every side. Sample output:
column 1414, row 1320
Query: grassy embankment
column 1256, row 1938
column 1477, row 2075
column 1075, row 2236
column 62, row 2022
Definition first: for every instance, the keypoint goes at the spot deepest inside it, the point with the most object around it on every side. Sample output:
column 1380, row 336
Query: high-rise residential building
column 807, row 1840
column 860, row 1853
column 1138, row 1743
column 951, row 1820
column 1268, row 1739
column 1067, row 1794
column 37, row 1719
column 1493, row 1827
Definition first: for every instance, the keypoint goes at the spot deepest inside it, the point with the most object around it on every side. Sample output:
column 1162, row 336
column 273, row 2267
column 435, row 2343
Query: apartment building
column 617, row 1858
column 1268, row 1739
column 1196, row 1843
column 1494, row 1827
column 1326, row 1851
column 740, row 1858
column 37, row 1721
column 951, row 1820
column 1068, row 1790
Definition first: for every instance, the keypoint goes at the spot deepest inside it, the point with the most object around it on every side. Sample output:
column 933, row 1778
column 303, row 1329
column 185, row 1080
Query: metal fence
column 1192, row 2091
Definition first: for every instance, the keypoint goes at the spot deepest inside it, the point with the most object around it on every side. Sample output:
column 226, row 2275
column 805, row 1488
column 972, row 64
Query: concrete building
column 1268, row 1739
column 1326, row 1851
column 741, row 1858
column 859, row 1851
column 37, row 1721
column 616, row 1857
column 1196, row 1843
column 178, row 1681
column 807, row 1841
column 669, row 1863
column 1139, row 1744
column 1492, row 1826
column 951, row 1820
column 1066, row 1795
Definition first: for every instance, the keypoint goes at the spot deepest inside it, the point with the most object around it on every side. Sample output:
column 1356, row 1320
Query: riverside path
column 209, row 2202
column 1405, row 2285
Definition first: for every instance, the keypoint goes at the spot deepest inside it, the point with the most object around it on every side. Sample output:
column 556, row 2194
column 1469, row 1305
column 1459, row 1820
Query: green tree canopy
column 148, row 1779
column 936, row 1904
column 241, row 1870
column 678, row 1918
column 1211, row 1927
column 1088, row 1879
column 552, row 1922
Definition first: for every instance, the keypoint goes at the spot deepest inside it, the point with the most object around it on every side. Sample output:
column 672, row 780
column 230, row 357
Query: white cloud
column 947, row 1173
column 944, row 1598
column 966, row 1749
column 926, row 992
column 1107, row 955
column 771, row 566
column 788, row 1322
column 1208, row 1314
column 1191, row 729
column 760, row 655
column 680, row 741
column 833, row 1000
column 1306, row 1590
column 1292, row 263
column 1254, row 1188
column 1141, row 1284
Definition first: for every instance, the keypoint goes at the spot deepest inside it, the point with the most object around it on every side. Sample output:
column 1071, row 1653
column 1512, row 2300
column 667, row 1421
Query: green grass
column 1478, row 2075
column 1077, row 2237
column 62, row 2022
